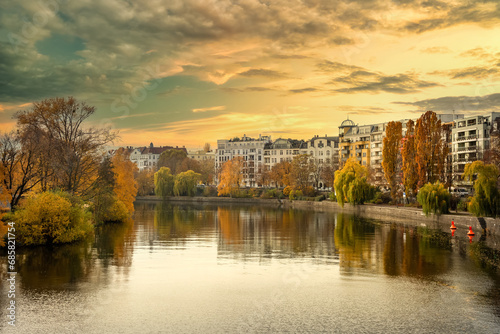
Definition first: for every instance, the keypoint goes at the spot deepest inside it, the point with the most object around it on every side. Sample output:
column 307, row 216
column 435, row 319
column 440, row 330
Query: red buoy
column 453, row 227
column 470, row 233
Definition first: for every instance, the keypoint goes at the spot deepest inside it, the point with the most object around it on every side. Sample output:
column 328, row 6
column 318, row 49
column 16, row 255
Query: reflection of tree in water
column 115, row 243
column 176, row 223
column 416, row 251
column 58, row 267
column 354, row 239
column 266, row 232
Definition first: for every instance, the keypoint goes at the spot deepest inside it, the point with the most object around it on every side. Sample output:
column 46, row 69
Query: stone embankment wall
column 386, row 213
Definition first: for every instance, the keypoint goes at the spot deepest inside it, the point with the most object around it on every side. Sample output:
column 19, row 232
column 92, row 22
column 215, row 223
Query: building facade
column 251, row 150
column 147, row 157
column 470, row 141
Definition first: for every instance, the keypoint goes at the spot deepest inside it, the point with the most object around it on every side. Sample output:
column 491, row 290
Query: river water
column 227, row 269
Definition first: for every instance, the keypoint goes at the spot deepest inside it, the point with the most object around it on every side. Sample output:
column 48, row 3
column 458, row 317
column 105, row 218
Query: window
column 311, row 152
column 364, row 154
column 281, row 152
column 328, row 153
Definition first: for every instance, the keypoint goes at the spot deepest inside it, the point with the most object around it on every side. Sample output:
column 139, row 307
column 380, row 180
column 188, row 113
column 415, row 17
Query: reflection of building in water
column 260, row 233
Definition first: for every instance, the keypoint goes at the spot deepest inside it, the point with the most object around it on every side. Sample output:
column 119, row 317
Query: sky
column 186, row 72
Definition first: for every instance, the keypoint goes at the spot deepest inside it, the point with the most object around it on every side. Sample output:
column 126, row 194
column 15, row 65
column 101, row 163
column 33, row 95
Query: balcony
column 467, row 149
column 462, row 138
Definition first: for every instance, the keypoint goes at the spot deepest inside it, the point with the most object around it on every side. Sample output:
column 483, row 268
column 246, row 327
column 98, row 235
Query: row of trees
column 52, row 150
column 417, row 158
column 302, row 172
column 182, row 184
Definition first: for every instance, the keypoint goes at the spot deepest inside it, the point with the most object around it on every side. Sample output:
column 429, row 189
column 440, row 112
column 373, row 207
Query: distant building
column 251, row 150
column 470, row 140
column 147, row 157
column 201, row 155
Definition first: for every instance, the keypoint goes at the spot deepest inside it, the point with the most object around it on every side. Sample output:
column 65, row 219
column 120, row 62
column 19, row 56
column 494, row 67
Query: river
column 228, row 269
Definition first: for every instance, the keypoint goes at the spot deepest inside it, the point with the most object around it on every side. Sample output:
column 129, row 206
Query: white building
column 251, row 150
column 470, row 140
column 147, row 157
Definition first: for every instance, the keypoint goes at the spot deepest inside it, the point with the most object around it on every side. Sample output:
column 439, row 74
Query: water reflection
column 241, row 255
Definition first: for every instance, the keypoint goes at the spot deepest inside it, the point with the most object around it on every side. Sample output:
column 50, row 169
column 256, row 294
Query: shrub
column 333, row 197
column 115, row 213
column 210, row 191
column 271, row 193
column 287, row 190
column 51, row 218
column 309, row 191
column 295, row 194
column 434, row 198
column 462, row 205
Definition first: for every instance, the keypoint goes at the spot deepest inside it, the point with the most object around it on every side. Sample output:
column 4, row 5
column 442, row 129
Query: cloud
column 436, row 50
column 217, row 108
column 303, row 90
column 260, row 72
column 458, row 104
column 246, row 89
column 360, row 80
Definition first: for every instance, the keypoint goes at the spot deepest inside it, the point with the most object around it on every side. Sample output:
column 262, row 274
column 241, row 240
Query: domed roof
column 347, row 123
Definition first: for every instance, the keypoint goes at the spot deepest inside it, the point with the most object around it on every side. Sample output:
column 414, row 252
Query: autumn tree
column 173, row 159
column 185, row 183
column 351, row 183
column 486, row 200
column 300, row 171
column 431, row 150
column 434, row 198
column 71, row 150
column 19, row 165
column 409, row 160
column 164, row 182
column 263, row 175
column 328, row 172
column 315, row 170
column 206, row 147
column 280, row 174
column 391, row 156
column 230, row 177
column 125, row 187
column 207, row 171
column 145, row 182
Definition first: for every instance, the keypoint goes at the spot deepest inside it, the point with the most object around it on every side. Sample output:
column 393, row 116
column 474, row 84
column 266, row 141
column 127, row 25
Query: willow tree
column 391, row 156
column 486, row 200
column 409, row 160
column 350, row 183
column 185, row 183
column 431, row 152
column 164, row 182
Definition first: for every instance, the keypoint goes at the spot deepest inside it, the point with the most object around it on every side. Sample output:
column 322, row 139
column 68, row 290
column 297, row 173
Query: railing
column 467, row 137
column 465, row 149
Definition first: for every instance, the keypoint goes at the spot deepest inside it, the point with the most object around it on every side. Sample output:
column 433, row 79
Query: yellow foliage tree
column 230, row 177
column 125, row 187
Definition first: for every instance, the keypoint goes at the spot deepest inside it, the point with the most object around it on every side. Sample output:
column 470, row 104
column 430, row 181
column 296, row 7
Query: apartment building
column 147, row 157
column 201, row 155
column 470, row 140
column 251, row 150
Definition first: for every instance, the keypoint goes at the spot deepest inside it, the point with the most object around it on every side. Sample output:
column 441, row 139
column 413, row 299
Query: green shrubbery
column 434, row 198
column 51, row 218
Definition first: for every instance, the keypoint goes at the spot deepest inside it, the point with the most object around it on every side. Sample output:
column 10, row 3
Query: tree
column 409, row 160
column 145, row 182
column 207, row 171
column 230, row 177
column 71, row 152
column 51, row 218
column 19, row 165
column 486, row 200
column 346, row 189
column 280, row 173
column 431, row 153
column 172, row 159
column 185, row 183
column 206, row 147
column 328, row 172
column 315, row 170
column 300, row 171
column 125, row 187
column 434, row 198
column 391, row 156
column 164, row 182
column 263, row 175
